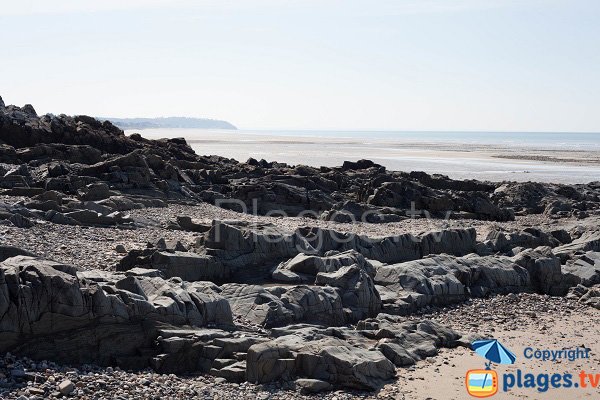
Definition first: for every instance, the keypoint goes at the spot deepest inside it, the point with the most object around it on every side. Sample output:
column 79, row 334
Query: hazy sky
column 323, row 64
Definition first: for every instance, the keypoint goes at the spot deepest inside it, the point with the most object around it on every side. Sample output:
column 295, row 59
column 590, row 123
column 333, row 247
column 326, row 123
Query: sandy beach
column 458, row 157
column 142, row 269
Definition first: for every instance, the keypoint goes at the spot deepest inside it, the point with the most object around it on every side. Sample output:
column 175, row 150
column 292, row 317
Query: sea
column 561, row 157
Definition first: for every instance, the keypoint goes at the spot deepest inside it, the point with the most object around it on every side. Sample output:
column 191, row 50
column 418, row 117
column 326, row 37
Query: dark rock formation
column 68, row 154
column 251, row 301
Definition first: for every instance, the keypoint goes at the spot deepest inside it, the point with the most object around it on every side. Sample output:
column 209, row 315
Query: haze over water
column 519, row 156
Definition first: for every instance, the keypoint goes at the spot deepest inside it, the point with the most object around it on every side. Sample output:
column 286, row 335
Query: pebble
column 66, row 387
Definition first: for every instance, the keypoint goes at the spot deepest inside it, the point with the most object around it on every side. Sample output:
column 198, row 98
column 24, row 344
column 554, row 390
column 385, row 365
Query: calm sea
column 521, row 156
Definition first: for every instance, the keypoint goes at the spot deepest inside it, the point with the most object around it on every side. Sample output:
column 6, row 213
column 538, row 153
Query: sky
column 512, row 65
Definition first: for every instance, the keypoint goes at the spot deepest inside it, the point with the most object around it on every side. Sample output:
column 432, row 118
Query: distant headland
column 169, row 122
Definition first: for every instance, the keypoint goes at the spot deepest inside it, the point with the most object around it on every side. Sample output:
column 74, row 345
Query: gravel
column 101, row 248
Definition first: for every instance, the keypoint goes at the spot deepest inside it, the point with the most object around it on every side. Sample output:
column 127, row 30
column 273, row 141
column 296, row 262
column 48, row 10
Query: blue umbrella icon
column 494, row 351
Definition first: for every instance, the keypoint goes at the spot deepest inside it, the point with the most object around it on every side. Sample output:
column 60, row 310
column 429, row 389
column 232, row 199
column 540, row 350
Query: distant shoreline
column 483, row 156
column 169, row 123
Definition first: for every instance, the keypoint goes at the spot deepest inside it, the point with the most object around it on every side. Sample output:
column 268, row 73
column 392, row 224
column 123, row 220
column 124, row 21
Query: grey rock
column 444, row 279
column 586, row 268
column 188, row 266
column 309, row 386
column 95, row 191
column 588, row 241
column 357, row 291
column 189, row 224
column 66, row 387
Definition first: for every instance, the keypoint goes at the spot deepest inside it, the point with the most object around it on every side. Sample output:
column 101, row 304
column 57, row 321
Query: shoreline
column 459, row 160
column 139, row 268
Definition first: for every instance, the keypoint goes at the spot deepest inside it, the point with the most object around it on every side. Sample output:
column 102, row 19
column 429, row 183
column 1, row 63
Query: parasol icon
column 494, row 351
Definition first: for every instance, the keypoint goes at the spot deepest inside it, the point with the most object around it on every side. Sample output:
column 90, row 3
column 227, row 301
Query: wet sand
column 459, row 160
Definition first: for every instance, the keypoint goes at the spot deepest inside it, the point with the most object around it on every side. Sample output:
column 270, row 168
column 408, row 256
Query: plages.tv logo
column 484, row 382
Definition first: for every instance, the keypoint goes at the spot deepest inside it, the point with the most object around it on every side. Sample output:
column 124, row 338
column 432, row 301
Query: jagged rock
column 586, row 295
column 329, row 359
column 11, row 251
column 392, row 249
column 527, row 195
column 585, row 268
column 545, row 271
column 591, row 297
column 68, row 153
column 45, row 303
column 170, row 245
column 350, row 367
column 95, row 191
column 16, row 219
column 189, row 266
column 527, row 238
column 304, row 267
column 277, row 306
column 150, row 273
column 189, row 224
column 241, row 245
column 96, row 218
column 562, row 236
column 405, row 344
column 309, row 386
column 445, row 279
column 356, row 289
column 351, row 212
column 588, row 241
column 270, row 361
column 411, row 195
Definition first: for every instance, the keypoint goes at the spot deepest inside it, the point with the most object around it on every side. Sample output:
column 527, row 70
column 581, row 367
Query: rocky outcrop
column 499, row 241
column 588, row 241
column 554, row 200
column 45, row 303
column 52, row 310
column 320, row 354
column 443, row 279
column 586, row 295
column 585, row 268
column 244, row 252
column 67, row 153
column 253, row 301
column 409, row 195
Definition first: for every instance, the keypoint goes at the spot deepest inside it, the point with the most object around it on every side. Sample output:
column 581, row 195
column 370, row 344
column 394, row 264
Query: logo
column 484, row 382
column 487, row 382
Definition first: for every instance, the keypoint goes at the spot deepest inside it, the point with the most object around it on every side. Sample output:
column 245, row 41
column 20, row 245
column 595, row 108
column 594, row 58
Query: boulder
column 545, row 271
column 95, row 191
column 189, row 266
column 445, row 279
column 356, row 289
column 49, row 312
column 304, row 267
column 193, row 225
column 588, row 241
column 349, row 367
column 310, row 386
column 527, row 238
column 585, row 268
